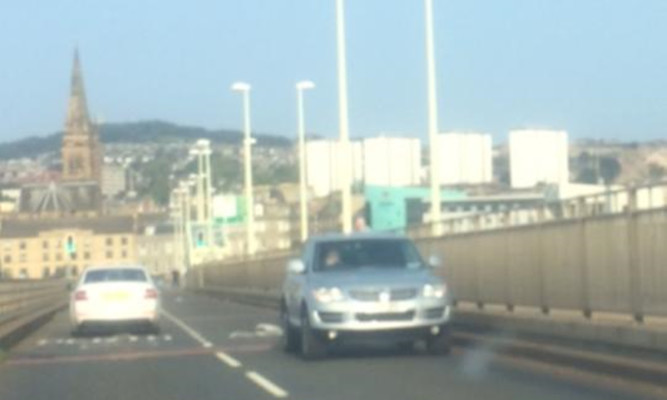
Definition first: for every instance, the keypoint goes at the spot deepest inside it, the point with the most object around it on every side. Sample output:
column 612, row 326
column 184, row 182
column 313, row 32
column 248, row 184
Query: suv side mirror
column 296, row 267
column 434, row 262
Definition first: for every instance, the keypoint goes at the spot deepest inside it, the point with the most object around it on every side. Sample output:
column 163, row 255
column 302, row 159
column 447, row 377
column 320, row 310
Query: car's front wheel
column 313, row 346
column 439, row 344
column 290, row 339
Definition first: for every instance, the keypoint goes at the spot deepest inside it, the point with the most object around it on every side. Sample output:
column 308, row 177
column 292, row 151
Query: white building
column 392, row 161
column 465, row 158
column 538, row 156
column 114, row 180
column 323, row 167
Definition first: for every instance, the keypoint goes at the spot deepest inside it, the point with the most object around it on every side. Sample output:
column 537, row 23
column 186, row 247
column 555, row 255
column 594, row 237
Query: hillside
column 137, row 133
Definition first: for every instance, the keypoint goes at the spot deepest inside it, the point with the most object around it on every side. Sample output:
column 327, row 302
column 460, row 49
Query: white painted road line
column 195, row 335
column 133, row 339
column 266, row 384
column 167, row 338
column 227, row 359
column 70, row 341
column 42, row 342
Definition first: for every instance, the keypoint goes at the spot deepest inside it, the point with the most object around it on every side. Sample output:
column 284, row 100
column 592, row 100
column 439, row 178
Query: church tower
column 81, row 148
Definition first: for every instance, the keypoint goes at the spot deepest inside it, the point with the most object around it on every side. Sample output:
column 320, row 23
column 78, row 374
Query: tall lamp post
column 436, row 213
column 202, row 150
column 244, row 89
column 344, row 160
column 303, row 197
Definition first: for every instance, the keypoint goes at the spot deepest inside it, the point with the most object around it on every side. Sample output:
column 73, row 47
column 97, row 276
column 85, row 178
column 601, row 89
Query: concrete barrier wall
column 25, row 304
column 607, row 264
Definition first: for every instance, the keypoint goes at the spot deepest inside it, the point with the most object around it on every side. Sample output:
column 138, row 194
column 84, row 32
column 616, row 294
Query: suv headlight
column 328, row 295
column 434, row 291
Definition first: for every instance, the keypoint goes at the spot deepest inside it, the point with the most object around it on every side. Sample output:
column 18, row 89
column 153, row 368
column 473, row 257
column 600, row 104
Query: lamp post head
column 241, row 87
column 305, row 85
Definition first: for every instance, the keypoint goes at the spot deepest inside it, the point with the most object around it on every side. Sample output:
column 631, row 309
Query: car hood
column 374, row 277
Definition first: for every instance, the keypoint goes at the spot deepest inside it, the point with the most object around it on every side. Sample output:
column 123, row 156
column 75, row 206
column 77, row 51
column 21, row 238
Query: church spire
column 81, row 149
column 78, row 121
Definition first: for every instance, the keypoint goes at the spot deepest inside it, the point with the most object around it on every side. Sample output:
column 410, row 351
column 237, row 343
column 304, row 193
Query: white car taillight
column 80, row 295
column 150, row 294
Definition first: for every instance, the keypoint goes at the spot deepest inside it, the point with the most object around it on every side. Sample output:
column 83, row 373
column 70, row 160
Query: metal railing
column 606, row 202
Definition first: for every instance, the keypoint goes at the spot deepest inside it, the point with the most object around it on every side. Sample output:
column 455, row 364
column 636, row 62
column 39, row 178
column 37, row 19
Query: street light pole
column 303, row 197
column 346, row 187
column 436, row 214
column 244, row 89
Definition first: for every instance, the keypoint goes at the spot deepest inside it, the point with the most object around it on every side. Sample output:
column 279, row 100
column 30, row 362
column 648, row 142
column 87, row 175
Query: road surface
column 212, row 349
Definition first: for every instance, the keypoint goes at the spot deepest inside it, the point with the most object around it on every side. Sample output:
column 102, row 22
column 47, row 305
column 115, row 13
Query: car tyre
column 290, row 339
column 313, row 346
column 439, row 345
column 155, row 328
column 76, row 331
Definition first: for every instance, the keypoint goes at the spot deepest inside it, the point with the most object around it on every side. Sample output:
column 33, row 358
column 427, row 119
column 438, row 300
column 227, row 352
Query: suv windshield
column 115, row 275
column 371, row 253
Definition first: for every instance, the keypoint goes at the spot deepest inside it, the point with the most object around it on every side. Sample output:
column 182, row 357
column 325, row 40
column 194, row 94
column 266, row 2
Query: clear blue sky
column 597, row 68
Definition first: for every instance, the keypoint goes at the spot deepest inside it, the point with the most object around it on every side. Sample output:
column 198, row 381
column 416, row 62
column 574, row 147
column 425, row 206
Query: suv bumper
column 390, row 318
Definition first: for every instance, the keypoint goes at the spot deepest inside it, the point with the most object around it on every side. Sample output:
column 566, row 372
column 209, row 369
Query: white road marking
column 167, row 338
column 60, row 341
column 70, row 341
column 266, row 384
column 241, row 334
column 97, row 340
column 268, row 330
column 113, row 339
column 194, row 334
column 133, row 339
column 227, row 359
column 151, row 338
column 42, row 342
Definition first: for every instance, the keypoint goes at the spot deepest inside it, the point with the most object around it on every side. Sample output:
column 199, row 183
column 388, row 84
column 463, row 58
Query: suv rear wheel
column 313, row 346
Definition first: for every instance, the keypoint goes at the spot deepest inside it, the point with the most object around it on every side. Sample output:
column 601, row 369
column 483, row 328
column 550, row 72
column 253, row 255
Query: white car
column 114, row 295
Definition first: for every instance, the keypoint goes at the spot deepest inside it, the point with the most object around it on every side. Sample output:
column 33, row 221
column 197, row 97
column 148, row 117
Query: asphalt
column 213, row 349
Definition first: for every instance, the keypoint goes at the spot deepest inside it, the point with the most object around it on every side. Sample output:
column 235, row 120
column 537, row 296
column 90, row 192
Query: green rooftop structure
column 394, row 208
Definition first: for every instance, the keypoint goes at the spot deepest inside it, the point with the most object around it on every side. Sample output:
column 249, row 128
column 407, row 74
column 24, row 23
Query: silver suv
column 360, row 286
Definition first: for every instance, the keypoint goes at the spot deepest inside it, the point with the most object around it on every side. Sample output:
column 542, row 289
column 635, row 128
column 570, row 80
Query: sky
column 596, row 68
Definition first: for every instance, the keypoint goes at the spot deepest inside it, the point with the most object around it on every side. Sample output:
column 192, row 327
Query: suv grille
column 403, row 294
column 386, row 317
column 330, row 317
column 398, row 294
column 365, row 295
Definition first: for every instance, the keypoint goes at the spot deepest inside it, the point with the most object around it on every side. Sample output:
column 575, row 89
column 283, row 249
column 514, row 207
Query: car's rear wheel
column 440, row 344
column 313, row 346
column 76, row 330
column 290, row 338
column 155, row 328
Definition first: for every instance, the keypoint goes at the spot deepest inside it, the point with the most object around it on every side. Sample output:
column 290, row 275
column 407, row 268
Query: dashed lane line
column 194, row 334
column 267, row 385
column 255, row 377
column 227, row 359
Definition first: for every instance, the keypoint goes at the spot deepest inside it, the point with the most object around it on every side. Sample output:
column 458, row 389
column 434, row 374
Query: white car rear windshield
column 115, row 275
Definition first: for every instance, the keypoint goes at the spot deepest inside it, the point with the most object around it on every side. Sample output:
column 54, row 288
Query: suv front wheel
column 439, row 344
column 313, row 346
column 290, row 340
